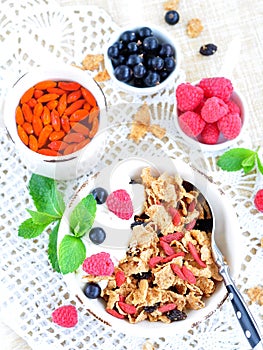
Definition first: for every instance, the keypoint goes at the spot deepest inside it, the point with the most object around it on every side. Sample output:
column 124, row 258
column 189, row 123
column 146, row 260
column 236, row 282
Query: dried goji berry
column 19, row 116
column 88, row 97
column 127, row 308
column 192, row 206
column 78, row 127
column 55, row 120
column 188, row 275
column 32, row 102
column 176, row 236
column 56, row 135
column 22, row 134
column 38, row 109
column 46, row 116
column 171, row 257
column 57, row 145
column 37, row 125
column 68, row 86
column 44, row 135
column 52, row 104
column 44, row 85
column 27, row 112
column 71, row 148
column 120, row 278
column 28, row 128
column 114, row 313
column 81, row 144
column 154, row 261
column 94, row 128
column 176, row 218
column 79, row 115
column 65, row 123
column 48, row 152
column 167, row 307
column 195, row 254
column 33, row 144
column 27, row 95
column 62, row 104
column 38, row 93
column 74, row 96
column 74, row 107
column 55, row 90
column 190, row 225
column 73, row 137
column 167, row 248
column 47, row 97
column 177, row 270
column 94, row 113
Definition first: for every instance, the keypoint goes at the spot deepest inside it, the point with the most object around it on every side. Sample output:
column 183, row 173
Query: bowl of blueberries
column 142, row 59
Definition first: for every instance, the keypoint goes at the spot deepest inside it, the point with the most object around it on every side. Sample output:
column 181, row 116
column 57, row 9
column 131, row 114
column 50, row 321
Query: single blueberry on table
column 92, row 290
column 172, row 17
column 100, row 195
column 97, row 235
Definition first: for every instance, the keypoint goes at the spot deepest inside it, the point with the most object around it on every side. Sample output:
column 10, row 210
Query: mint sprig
column 50, row 207
column 240, row 159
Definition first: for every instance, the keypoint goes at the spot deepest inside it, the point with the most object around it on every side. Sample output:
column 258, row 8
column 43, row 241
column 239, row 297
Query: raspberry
column 191, row 123
column 258, row 200
column 119, row 202
column 213, row 109
column 99, row 264
column 230, row 126
column 233, row 107
column 218, row 87
column 188, row 97
column 65, row 316
column 210, row 134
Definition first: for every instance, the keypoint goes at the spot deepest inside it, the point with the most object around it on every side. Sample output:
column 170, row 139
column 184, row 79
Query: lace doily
column 35, row 31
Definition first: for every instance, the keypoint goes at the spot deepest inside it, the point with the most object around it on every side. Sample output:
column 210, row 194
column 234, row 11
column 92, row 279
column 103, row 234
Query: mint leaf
column 29, row 229
column 52, row 248
column 46, row 197
column 249, row 163
column 72, row 253
column 42, row 218
column 82, row 216
column 259, row 164
column 232, row 160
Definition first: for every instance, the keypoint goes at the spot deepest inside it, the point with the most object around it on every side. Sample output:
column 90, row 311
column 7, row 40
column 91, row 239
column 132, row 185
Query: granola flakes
column 194, row 28
column 92, row 62
column 171, row 5
column 163, row 280
column 256, row 294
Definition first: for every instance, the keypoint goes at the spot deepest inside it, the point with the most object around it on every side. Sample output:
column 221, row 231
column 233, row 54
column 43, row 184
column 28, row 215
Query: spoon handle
column 243, row 314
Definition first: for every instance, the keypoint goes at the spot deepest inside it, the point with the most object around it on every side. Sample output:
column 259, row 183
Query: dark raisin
column 150, row 309
column 176, row 315
column 208, row 49
column 142, row 275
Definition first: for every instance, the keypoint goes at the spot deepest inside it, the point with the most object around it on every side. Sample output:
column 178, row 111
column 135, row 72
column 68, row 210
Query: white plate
column 226, row 228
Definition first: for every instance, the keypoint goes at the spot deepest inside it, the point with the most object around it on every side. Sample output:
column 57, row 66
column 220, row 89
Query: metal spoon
column 243, row 314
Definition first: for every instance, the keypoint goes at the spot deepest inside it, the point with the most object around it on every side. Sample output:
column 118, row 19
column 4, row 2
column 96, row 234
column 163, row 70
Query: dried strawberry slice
column 120, row 278
column 115, row 313
column 154, row 261
column 167, row 307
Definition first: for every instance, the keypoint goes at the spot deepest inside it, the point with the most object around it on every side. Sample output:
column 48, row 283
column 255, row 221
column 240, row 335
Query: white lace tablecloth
column 34, row 32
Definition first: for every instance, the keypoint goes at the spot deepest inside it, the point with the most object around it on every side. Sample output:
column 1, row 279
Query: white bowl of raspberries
column 142, row 59
column 210, row 114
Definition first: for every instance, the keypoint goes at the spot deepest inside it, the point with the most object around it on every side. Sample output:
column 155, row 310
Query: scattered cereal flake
column 148, row 346
column 102, row 76
column 157, row 131
column 138, row 131
column 143, row 115
column 256, row 294
column 194, row 28
column 261, row 242
column 92, row 62
column 171, row 5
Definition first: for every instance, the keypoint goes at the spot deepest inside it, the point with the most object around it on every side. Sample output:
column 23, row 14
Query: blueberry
column 138, row 82
column 144, row 32
column 99, row 194
column 133, row 60
column 157, row 63
column 128, row 36
column 164, row 74
column 118, row 61
column 123, row 73
column 208, row 49
column 172, row 17
column 169, row 64
column 176, row 315
column 139, row 71
column 113, row 51
column 150, row 44
column 132, row 47
column 152, row 79
column 97, row 235
column 166, row 50
column 119, row 45
column 92, row 290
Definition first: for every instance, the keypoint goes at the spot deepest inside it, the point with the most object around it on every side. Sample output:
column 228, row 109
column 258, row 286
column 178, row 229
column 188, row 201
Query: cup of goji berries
column 55, row 116
column 210, row 114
